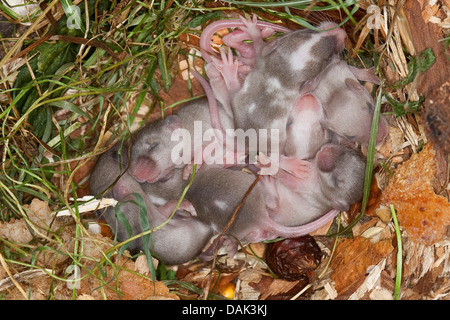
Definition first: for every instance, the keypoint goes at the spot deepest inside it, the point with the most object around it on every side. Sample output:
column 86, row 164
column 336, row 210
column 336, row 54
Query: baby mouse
column 283, row 68
column 215, row 194
column 152, row 152
column 348, row 105
column 334, row 181
column 180, row 240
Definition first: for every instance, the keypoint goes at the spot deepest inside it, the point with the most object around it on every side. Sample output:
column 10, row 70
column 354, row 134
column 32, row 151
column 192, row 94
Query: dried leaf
column 135, row 287
column 353, row 257
column 424, row 215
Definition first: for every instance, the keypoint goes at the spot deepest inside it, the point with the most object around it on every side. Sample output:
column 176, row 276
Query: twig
column 233, row 217
column 5, row 266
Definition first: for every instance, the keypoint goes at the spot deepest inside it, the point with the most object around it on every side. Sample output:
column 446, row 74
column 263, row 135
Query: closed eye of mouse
column 152, row 145
column 335, row 181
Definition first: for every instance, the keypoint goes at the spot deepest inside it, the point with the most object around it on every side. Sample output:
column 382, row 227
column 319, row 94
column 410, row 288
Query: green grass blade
column 398, row 276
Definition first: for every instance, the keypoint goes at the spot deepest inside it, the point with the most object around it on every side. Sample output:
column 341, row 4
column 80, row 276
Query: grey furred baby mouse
column 348, row 105
column 178, row 241
column 335, row 180
column 151, row 153
column 215, row 194
column 281, row 70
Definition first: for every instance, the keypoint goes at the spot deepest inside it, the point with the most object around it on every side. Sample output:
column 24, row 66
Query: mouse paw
column 187, row 170
column 236, row 40
column 295, row 166
column 231, row 245
column 252, row 29
column 365, row 75
column 267, row 166
column 229, row 68
column 185, row 205
column 250, row 26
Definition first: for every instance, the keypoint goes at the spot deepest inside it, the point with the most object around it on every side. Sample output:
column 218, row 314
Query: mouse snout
column 144, row 169
column 338, row 33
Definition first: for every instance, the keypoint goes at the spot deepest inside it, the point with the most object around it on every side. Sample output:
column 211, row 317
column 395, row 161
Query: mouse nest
column 65, row 98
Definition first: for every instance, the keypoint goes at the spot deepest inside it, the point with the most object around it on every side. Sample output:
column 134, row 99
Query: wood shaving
column 90, row 205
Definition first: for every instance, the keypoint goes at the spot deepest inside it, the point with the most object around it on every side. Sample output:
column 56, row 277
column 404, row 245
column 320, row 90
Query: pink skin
column 212, row 28
column 167, row 209
column 216, row 83
column 236, row 40
column 229, row 68
column 304, row 131
column 213, row 109
column 224, row 78
column 292, row 165
column 224, row 72
column 249, row 31
column 145, row 170
column 272, row 232
column 267, row 230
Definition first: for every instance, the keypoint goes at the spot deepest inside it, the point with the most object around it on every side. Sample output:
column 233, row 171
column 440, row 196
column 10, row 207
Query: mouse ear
column 269, row 48
column 365, row 75
column 309, row 85
column 353, row 85
column 173, row 122
column 327, row 157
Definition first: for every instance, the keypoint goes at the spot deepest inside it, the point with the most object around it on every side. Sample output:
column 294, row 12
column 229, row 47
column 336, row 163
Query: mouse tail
column 298, row 231
column 272, row 230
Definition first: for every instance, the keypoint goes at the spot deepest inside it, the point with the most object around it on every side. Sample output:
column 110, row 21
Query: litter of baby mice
column 196, row 141
column 306, row 188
